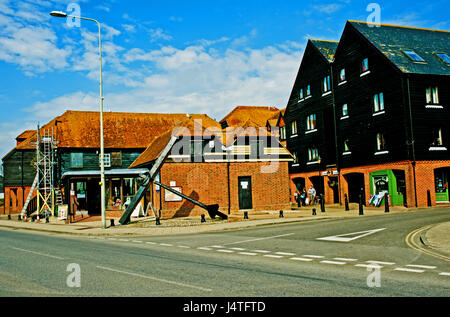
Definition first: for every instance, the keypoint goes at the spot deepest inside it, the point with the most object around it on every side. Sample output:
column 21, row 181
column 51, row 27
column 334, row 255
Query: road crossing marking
column 204, row 248
column 39, row 253
column 313, row 256
column 225, row 251
column 380, row 262
column 273, row 256
column 353, row 235
column 248, row 253
column 422, row 266
column 345, row 259
column 301, row 259
column 284, row 253
column 261, row 251
column 408, row 270
column 166, row 244
column 369, row 265
column 333, row 262
column 259, row 239
column 444, row 273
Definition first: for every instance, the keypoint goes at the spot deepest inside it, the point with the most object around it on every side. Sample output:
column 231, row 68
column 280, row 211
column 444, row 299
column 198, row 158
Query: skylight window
column 414, row 56
column 444, row 57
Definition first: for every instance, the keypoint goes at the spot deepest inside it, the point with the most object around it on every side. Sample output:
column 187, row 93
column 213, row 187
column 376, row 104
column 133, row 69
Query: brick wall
column 424, row 180
column 208, row 183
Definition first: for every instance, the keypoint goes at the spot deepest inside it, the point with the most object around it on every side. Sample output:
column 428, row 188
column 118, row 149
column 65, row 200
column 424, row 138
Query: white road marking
column 444, row 273
column 112, row 239
column 273, row 256
column 422, row 266
column 261, row 251
column 238, row 249
column 379, row 262
column 284, row 253
column 301, row 259
column 124, row 240
column 217, row 246
column 204, row 248
column 345, row 259
column 345, row 238
column 39, row 253
column 137, row 241
column 408, row 270
column 247, row 253
column 155, row 279
column 166, row 244
column 373, row 265
column 225, row 251
column 149, row 242
column 313, row 256
column 259, row 239
column 184, row 246
column 333, row 262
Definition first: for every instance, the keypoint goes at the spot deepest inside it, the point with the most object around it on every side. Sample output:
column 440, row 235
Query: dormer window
column 444, row 57
column 414, row 56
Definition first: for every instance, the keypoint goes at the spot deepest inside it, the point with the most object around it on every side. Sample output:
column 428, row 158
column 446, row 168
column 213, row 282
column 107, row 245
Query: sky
column 178, row 56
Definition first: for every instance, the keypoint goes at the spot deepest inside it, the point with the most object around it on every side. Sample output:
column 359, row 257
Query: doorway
column 245, row 192
column 356, row 187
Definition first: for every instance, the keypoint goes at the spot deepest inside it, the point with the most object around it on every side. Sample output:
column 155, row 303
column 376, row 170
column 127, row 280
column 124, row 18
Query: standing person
column 297, row 197
column 303, row 195
column 312, row 195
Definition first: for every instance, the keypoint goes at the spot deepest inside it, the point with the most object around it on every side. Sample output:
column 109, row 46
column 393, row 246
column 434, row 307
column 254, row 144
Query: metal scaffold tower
column 44, row 180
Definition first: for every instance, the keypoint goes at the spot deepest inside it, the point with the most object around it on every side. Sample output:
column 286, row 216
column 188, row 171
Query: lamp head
column 58, row 14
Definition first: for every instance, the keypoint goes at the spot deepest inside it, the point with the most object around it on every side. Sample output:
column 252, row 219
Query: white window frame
column 311, row 123
column 106, row 159
column 378, row 103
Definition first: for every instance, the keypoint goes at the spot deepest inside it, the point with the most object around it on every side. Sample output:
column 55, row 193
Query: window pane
column 344, row 110
column 414, row 56
column 376, row 105
column 435, row 95
column 342, row 75
column 346, row 148
column 76, row 160
column 365, row 65
column 444, row 57
column 308, row 90
column 428, row 94
column 381, row 96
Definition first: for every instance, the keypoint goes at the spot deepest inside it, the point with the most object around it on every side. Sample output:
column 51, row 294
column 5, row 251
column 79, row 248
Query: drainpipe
column 338, row 166
column 412, row 139
column 228, row 183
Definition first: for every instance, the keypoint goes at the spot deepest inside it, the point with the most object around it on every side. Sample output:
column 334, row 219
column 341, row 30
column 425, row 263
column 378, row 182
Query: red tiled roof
column 81, row 129
column 254, row 116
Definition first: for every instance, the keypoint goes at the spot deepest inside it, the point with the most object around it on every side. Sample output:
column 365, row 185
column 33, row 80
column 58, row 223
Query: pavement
column 436, row 237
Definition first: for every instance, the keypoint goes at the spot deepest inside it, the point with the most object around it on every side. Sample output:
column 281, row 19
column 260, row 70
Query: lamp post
column 60, row 14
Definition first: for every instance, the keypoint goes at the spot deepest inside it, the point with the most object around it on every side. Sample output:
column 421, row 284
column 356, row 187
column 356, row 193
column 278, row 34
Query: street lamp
column 60, row 14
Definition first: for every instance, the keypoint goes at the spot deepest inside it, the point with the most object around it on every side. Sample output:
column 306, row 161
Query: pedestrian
column 297, row 197
column 312, row 195
column 303, row 196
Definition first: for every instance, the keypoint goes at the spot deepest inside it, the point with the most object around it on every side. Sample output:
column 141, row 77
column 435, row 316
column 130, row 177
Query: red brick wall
column 207, row 183
column 424, row 180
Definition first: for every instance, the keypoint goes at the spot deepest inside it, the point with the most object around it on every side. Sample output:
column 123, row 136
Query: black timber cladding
column 406, row 118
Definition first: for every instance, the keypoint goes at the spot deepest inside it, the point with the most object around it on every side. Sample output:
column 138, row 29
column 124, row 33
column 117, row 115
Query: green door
column 441, row 185
column 245, row 192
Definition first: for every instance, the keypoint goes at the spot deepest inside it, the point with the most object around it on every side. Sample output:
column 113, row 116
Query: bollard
column 322, row 203
column 361, row 209
column 9, row 217
column 203, row 218
column 245, row 215
column 429, row 198
column 386, row 202
column 157, row 221
column 281, row 214
column 47, row 220
column 314, row 211
column 19, row 217
column 347, row 208
column 112, row 222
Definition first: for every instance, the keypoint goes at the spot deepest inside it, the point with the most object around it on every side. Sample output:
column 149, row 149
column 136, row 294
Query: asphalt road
column 271, row 261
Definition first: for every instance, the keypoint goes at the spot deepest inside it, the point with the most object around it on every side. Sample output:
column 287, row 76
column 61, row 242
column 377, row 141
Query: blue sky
column 181, row 56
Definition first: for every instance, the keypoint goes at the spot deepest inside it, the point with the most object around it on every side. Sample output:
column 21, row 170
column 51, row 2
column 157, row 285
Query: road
column 272, row 261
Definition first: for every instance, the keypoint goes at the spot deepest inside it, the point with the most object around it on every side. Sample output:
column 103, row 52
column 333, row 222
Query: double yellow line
column 412, row 241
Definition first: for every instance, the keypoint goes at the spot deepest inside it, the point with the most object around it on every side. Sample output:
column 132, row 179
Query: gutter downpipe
column 412, row 140
column 338, row 167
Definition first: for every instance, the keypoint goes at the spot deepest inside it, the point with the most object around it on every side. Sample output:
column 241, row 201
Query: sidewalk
column 438, row 236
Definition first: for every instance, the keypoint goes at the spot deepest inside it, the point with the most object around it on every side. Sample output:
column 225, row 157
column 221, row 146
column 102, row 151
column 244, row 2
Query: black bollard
column 9, row 217
column 203, row 218
column 245, row 215
column 19, row 217
column 112, row 222
column 281, row 214
column 157, row 221
column 361, row 209
column 47, row 220
column 428, row 198
column 386, row 202
column 322, row 203
column 314, row 211
column 347, row 207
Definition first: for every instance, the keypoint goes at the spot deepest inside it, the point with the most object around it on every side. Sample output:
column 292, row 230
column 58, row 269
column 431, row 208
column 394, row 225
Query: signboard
column 62, row 212
column 169, row 196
